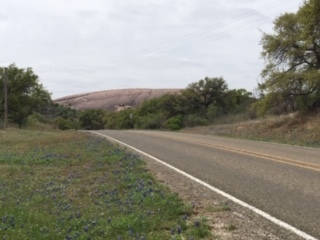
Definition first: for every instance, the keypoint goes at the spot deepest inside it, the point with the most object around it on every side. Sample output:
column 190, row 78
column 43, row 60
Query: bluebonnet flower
column 179, row 230
column 68, row 237
column 4, row 219
column 12, row 223
column 184, row 217
column 197, row 223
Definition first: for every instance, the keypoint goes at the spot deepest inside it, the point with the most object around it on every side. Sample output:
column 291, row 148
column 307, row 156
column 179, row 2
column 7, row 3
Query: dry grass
column 297, row 129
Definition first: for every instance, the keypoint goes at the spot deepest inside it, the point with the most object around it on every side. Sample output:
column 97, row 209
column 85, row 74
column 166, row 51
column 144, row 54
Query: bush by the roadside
column 175, row 123
column 195, row 120
column 65, row 124
column 150, row 121
column 92, row 119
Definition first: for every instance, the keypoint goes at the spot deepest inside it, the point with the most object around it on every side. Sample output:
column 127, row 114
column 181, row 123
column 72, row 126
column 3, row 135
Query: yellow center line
column 289, row 161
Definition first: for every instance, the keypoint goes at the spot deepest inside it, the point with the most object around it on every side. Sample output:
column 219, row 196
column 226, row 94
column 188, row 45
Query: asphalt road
column 281, row 180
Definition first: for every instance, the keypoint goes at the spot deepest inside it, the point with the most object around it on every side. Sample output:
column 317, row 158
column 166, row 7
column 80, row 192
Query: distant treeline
column 199, row 104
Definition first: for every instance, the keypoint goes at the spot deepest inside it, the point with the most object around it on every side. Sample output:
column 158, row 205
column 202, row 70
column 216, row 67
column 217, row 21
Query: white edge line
column 230, row 197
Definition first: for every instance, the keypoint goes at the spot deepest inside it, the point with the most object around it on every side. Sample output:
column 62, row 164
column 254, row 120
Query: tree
column 238, row 99
column 92, row 119
column 166, row 105
column 292, row 54
column 198, row 96
column 25, row 94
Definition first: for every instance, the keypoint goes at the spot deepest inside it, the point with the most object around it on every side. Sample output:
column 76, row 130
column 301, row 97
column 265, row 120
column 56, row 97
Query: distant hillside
column 112, row 99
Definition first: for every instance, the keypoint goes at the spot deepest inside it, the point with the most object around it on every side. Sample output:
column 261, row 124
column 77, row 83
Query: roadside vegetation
column 295, row 129
column 290, row 83
column 70, row 185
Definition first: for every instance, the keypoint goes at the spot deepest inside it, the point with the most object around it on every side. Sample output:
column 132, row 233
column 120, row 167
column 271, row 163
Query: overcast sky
column 78, row 46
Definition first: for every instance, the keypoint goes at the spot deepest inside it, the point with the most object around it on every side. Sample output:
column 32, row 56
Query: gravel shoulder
column 227, row 219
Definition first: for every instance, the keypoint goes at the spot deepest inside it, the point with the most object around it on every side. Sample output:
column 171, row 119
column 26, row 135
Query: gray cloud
column 3, row 16
column 77, row 46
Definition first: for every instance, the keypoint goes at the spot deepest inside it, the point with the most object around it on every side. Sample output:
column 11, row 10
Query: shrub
column 64, row 124
column 92, row 119
column 175, row 123
column 151, row 121
column 195, row 120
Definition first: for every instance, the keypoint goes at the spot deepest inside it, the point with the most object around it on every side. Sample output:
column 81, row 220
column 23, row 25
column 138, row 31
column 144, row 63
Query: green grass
column 69, row 185
column 231, row 227
column 219, row 208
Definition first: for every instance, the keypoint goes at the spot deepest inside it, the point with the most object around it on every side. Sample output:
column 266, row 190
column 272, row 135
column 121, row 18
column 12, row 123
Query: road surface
column 281, row 180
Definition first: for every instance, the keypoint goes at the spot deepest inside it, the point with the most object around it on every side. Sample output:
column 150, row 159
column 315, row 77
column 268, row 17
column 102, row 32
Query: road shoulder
column 227, row 219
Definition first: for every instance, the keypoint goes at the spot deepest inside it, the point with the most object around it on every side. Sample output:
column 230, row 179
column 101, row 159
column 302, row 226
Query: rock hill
column 113, row 100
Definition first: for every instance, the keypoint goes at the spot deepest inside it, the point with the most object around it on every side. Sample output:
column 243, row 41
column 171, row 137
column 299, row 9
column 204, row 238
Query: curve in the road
column 311, row 166
column 230, row 197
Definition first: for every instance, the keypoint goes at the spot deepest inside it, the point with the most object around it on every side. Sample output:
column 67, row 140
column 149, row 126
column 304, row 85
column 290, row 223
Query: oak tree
column 292, row 53
column 25, row 93
column 92, row 119
column 198, row 96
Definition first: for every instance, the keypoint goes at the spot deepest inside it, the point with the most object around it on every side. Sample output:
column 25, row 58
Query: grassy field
column 70, row 185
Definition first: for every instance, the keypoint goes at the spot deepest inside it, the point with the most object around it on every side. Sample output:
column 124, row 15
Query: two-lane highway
column 281, row 180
